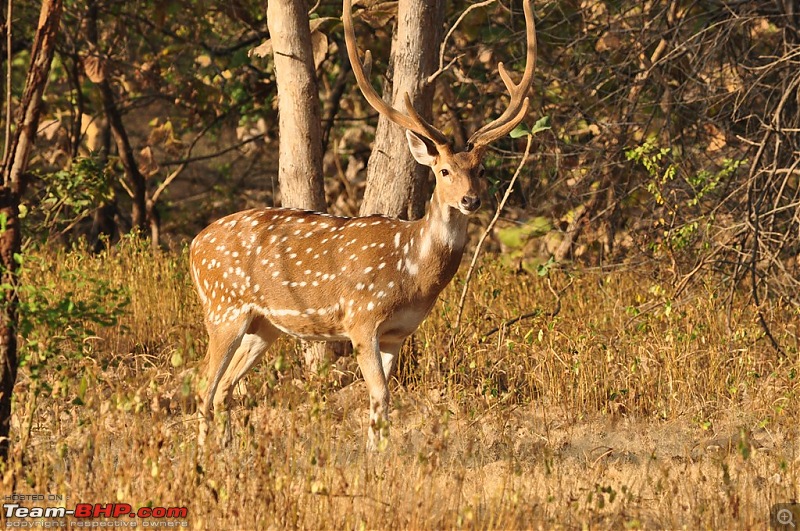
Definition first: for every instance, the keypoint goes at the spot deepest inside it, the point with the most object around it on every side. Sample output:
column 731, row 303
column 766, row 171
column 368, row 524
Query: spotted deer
column 264, row 272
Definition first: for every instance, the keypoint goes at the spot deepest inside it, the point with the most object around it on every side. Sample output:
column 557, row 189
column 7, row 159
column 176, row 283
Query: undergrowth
column 611, row 406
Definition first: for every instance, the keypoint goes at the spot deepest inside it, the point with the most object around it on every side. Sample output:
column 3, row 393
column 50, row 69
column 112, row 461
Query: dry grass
column 625, row 410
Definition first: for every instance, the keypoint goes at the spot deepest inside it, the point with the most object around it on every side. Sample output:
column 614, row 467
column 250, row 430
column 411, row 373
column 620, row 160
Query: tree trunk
column 14, row 165
column 136, row 181
column 300, row 153
column 300, row 157
column 396, row 184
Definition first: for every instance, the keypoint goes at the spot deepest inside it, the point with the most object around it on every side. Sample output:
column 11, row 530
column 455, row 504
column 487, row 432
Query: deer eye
column 445, row 172
column 481, row 172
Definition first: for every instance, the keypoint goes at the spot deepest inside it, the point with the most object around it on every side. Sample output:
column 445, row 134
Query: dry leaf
column 95, row 68
column 319, row 45
column 265, row 48
column 147, row 162
column 716, row 137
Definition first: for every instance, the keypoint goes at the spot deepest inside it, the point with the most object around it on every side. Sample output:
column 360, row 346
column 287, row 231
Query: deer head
column 459, row 174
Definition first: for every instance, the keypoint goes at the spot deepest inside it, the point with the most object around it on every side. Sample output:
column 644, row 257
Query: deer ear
column 424, row 152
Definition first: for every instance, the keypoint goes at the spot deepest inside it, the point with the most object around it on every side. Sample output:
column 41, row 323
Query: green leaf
column 542, row 124
column 520, row 131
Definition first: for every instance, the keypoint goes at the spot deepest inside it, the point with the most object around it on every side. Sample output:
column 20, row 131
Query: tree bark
column 14, row 177
column 136, row 181
column 300, row 153
column 396, row 184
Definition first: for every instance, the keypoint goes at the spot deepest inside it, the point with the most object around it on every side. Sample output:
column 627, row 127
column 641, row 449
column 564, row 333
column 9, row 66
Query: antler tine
column 413, row 121
column 518, row 105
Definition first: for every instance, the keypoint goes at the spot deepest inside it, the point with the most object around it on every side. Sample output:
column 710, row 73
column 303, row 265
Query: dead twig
column 488, row 230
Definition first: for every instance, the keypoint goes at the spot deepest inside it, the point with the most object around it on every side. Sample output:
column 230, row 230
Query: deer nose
column 471, row 203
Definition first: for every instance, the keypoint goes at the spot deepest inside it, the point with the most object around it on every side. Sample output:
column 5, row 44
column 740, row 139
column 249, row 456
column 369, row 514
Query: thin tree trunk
column 136, row 181
column 300, row 157
column 300, row 153
column 14, row 166
column 396, row 184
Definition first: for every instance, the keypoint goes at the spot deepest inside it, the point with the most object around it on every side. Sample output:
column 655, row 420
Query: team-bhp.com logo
column 96, row 515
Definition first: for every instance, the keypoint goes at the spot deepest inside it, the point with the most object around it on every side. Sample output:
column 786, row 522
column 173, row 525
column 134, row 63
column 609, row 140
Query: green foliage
column 679, row 194
column 69, row 195
column 57, row 317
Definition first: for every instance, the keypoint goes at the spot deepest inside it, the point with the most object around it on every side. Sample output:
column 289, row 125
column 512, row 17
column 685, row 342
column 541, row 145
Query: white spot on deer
column 381, row 294
column 371, row 306
column 344, row 268
column 360, row 286
column 352, row 257
column 297, row 232
column 412, row 268
column 364, row 247
column 368, row 269
column 254, row 223
column 308, row 250
column 293, row 255
column 298, row 263
column 258, row 249
column 293, row 284
column 256, row 287
column 307, row 271
column 325, row 276
column 381, row 265
column 391, row 284
column 397, row 241
column 314, row 283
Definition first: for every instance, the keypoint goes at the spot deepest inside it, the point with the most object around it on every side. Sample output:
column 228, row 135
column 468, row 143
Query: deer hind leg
column 369, row 360
column 223, row 341
column 255, row 342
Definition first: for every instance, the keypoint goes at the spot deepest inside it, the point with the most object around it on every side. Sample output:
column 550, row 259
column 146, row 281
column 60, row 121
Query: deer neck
column 437, row 244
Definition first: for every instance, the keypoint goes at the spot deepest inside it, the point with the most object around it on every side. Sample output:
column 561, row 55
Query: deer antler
column 411, row 121
column 518, row 105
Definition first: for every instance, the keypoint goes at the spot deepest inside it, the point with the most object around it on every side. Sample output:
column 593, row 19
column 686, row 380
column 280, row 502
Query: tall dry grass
column 626, row 409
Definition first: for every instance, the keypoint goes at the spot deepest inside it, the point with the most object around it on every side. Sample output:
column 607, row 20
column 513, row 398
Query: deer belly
column 316, row 324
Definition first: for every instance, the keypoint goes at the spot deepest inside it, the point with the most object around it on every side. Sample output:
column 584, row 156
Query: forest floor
column 626, row 409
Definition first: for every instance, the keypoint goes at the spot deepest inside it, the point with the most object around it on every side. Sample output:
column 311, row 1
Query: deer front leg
column 389, row 352
column 369, row 360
